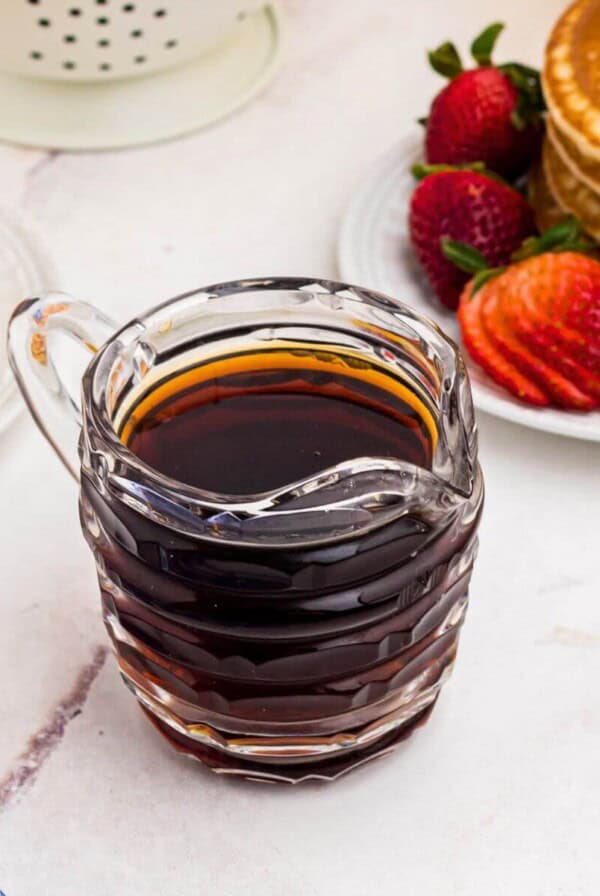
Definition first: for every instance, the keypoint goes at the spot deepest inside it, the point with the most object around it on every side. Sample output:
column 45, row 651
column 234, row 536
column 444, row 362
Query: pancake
column 586, row 170
column 546, row 209
column 571, row 76
column 573, row 195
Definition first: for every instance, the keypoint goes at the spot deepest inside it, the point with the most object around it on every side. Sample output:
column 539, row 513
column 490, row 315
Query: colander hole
column 34, row 2
column 69, row 65
column 139, row 60
column 75, row 11
column 160, row 13
column 105, row 67
column 170, row 44
column 70, row 38
column 101, row 2
column 36, row 55
column 129, row 7
column 241, row 15
column 137, row 33
column 44, row 23
column 103, row 20
column 104, row 42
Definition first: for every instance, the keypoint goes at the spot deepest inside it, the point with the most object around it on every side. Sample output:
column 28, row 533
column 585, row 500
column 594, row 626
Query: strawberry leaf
column 463, row 256
column 526, row 80
column 563, row 237
column 420, row 170
column 422, row 121
column 445, row 60
column 483, row 277
column 518, row 116
column 565, row 232
column 530, row 100
column 483, row 45
column 528, row 248
column 585, row 247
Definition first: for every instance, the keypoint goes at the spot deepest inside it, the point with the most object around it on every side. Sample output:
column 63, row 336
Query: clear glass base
column 296, row 756
column 326, row 768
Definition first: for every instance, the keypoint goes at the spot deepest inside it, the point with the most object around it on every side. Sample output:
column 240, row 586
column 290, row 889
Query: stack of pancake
column 567, row 181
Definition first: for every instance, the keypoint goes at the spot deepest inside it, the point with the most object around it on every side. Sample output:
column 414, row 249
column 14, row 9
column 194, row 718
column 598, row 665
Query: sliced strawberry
column 550, row 296
column 541, row 315
column 554, row 384
column 560, row 348
column 551, row 337
column 485, row 353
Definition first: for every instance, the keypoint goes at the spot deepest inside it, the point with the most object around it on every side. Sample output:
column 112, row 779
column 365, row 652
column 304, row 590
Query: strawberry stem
column 445, row 60
column 483, row 45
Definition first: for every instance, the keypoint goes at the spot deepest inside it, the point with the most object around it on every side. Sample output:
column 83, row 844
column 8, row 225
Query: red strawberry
column 545, row 320
column 488, row 114
column 484, row 353
column 471, row 207
column 548, row 377
column 535, row 325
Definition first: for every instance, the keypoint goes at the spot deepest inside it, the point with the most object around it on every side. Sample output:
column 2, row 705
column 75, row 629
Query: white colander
column 72, row 71
column 102, row 39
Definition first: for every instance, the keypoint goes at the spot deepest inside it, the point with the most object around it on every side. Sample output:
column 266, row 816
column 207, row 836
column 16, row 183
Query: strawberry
column 546, row 320
column 548, row 377
column 534, row 326
column 489, row 114
column 469, row 206
column 484, row 353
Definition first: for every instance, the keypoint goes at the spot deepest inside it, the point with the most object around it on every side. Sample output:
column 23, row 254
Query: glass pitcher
column 301, row 631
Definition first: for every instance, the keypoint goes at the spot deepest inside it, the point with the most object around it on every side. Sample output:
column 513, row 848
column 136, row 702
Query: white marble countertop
column 500, row 792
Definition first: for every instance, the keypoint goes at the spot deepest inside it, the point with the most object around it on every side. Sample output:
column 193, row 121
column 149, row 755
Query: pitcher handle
column 53, row 392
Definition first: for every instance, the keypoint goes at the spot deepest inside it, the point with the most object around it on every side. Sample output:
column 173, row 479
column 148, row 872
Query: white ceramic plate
column 25, row 269
column 374, row 251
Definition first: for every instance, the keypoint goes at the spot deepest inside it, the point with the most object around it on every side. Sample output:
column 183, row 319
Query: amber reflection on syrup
column 262, row 420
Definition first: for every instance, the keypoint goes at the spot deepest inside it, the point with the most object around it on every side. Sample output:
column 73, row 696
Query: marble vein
column 43, row 743
column 47, row 158
column 30, row 179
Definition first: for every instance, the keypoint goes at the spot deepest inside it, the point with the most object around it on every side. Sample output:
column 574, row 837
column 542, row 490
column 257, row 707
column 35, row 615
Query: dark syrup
column 250, row 432
column 250, row 638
